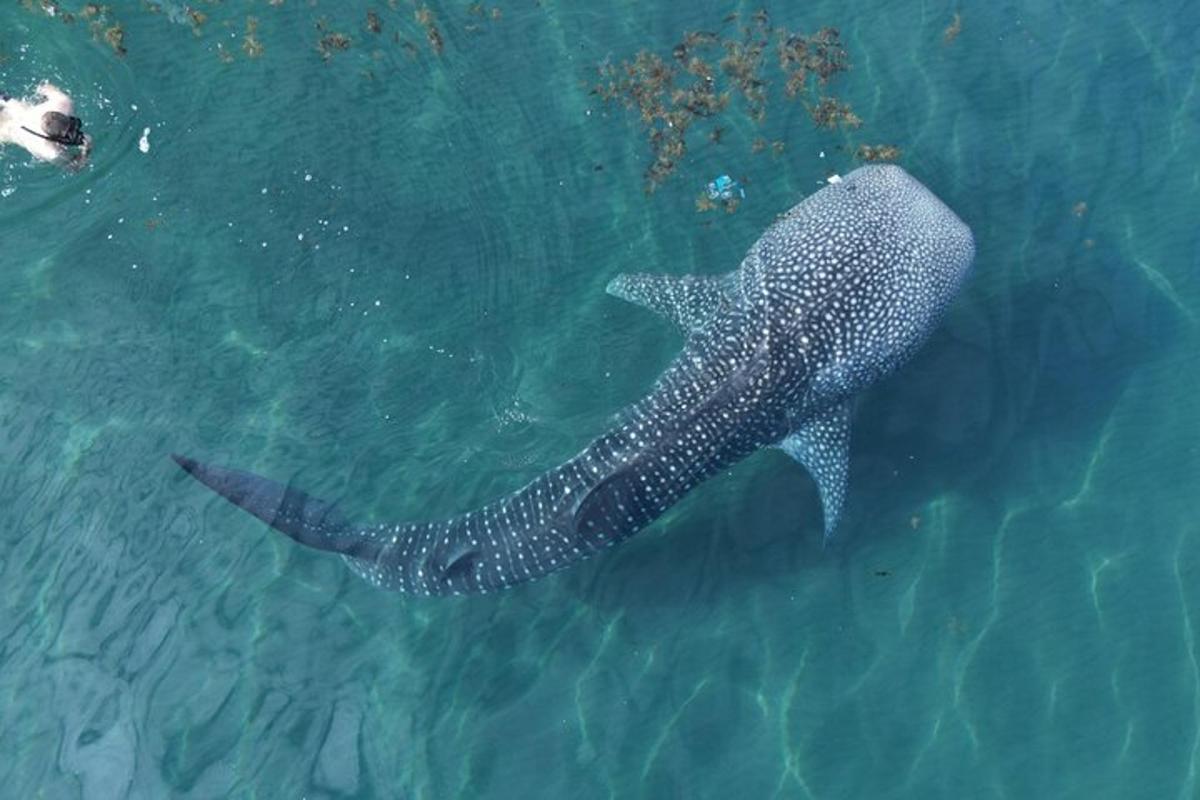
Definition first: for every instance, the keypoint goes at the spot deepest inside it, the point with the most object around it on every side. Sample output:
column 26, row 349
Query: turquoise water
column 382, row 276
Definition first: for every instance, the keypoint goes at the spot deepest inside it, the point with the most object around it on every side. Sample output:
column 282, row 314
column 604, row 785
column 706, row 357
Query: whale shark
column 836, row 293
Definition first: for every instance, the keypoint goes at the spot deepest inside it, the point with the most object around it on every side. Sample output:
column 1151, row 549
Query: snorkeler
column 48, row 130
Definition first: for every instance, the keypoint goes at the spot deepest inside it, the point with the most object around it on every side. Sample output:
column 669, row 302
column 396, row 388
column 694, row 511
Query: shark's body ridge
column 835, row 294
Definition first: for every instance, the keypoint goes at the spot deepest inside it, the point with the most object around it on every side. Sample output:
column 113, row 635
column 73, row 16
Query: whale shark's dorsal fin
column 822, row 445
column 689, row 301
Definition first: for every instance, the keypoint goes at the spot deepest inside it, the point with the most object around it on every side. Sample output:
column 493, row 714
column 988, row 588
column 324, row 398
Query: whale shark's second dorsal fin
column 689, row 301
column 822, row 445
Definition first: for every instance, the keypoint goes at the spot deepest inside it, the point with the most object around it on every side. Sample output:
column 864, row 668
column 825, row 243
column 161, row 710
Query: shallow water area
column 378, row 271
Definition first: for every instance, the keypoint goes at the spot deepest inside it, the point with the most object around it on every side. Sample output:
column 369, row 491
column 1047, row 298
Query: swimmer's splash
column 45, row 126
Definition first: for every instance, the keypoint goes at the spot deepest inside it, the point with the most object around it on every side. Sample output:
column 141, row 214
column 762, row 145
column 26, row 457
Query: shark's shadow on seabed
column 1039, row 367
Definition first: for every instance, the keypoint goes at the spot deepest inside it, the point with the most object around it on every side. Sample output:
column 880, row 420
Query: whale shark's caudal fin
column 306, row 519
column 689, row 301
column 822, row 445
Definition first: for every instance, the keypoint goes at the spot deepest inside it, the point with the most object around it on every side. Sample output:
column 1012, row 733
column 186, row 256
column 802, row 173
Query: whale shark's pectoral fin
column 822, row 445
column 307, row 519
column 689, row 301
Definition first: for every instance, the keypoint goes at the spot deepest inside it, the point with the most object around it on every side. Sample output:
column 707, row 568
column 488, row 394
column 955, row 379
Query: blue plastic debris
column 725, row 188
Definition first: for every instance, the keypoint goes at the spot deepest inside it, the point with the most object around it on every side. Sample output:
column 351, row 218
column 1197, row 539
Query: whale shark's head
column 857, row 274
column 926, row 234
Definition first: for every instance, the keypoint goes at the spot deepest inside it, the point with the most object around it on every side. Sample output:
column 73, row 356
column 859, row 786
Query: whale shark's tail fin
column 306, row 519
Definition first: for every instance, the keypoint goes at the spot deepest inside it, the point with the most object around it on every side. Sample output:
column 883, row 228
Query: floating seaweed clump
column 670, row 96
column 830, row 112
column 433, row 34
column 821, row 55
column 953, row 29
column 877, row 152
column 330, row 41
column 423, row 20
column 250, row 43
column 743, row 65
column 196, row 19
column 478, row 10
column 114, row 36
column 103, row 27
column 50, row 8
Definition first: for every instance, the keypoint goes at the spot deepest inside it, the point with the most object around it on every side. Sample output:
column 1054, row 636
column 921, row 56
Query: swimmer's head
column 63, row 129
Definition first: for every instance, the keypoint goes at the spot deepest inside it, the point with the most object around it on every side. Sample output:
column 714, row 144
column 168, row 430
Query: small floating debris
column 724, row 187
column 1079, row 209
column 724, row 192
column 374, row 23
column 144, row 142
